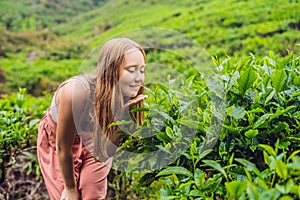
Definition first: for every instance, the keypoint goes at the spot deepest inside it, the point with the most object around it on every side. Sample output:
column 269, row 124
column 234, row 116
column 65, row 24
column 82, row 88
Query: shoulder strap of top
column 53, row 107
column 82, row 80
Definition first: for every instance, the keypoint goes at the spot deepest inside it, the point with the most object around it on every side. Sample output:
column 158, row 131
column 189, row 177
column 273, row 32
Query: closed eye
column 130, row 70
column 133, row 68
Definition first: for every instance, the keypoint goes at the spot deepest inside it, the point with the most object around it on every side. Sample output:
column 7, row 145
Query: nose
column 139, row 77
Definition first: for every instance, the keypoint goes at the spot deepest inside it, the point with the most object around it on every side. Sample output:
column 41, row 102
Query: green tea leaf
column 199, row 177
column 285, row 188
column 163, row 87
column 175, row 170
column 232, row 129
column 296, row 190
column 266, row 158
column 261, row 120
column 196, row 193
column 188, row 123
column 252, row 192
column 216, row 166
column 269, row 149
column 297, row 81
column 34, row 122
column 246, row 80
column 296, row 94
column 169, row 132
column 251, row 133
column 270, row 96
column 236, row 188
column 122, row 122
column 249, row 166
column 293, row 154
column 175, row 179
column 281, row 169
column 162, row 136
column 272, row 194
column 237, row 112
column 286, row 197
column 185, row 187
column 165, row 191
column 278, row 79
column 204, row 153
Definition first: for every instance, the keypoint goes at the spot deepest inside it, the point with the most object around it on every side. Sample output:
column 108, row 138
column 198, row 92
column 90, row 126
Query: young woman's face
column 133, row 73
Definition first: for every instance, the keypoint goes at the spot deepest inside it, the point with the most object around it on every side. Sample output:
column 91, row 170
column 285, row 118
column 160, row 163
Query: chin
column 134, row 94
column 131, row 94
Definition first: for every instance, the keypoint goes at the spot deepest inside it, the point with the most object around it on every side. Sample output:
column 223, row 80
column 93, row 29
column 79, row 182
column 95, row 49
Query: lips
column 134, row 86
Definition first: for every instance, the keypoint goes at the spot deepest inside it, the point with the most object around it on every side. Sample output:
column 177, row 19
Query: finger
column 141, row 97
column 137, row 99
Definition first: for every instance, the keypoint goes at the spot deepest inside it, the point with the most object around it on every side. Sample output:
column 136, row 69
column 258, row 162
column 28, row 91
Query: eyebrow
column 135, row 66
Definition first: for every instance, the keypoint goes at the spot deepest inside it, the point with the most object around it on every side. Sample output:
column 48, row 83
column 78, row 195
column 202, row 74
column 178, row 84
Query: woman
column 75, row 139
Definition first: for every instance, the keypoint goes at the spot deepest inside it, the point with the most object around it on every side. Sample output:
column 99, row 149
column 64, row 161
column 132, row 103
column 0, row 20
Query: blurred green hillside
column 36, row 14
column 50, row 38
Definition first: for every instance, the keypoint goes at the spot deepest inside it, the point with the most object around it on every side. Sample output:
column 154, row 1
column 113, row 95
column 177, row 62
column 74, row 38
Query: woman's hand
column 136, row 99
column 69, row 194
column 115, row 140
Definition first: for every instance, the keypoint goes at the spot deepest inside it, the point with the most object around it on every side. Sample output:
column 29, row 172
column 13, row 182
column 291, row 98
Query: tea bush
column 19, row 117
column 247, row 148
column 232, row 136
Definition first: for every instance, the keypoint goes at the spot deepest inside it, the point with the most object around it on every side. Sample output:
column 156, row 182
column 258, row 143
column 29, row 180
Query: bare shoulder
column 72, row 91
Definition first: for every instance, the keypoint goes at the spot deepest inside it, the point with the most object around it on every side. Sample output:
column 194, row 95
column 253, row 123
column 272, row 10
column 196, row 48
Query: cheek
column 126, row 78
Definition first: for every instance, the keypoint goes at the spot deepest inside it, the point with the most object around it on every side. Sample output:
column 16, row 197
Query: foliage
column 257, row 152
column 39, row 14
column 244, row 146
column 236, row 28
column 38, row 76
column 19, row 117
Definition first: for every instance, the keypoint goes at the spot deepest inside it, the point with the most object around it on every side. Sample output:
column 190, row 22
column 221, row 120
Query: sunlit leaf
column 251, row 133
column 293, row 155
column 249, row 166
column 261, row 120
column 252, row 192
column 238, row 112
column 278, row 80
column 236, row 188
column 175, row 170
column 216, row 166
column 246, row 80
column 269, row 149
column 297, row 81
column 281, row 169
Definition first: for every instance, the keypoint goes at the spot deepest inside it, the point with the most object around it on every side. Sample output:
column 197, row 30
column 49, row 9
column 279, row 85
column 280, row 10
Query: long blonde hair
column 109, row 101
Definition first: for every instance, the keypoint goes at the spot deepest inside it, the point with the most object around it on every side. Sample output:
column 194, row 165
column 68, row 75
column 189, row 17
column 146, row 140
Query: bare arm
column 65, row 134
